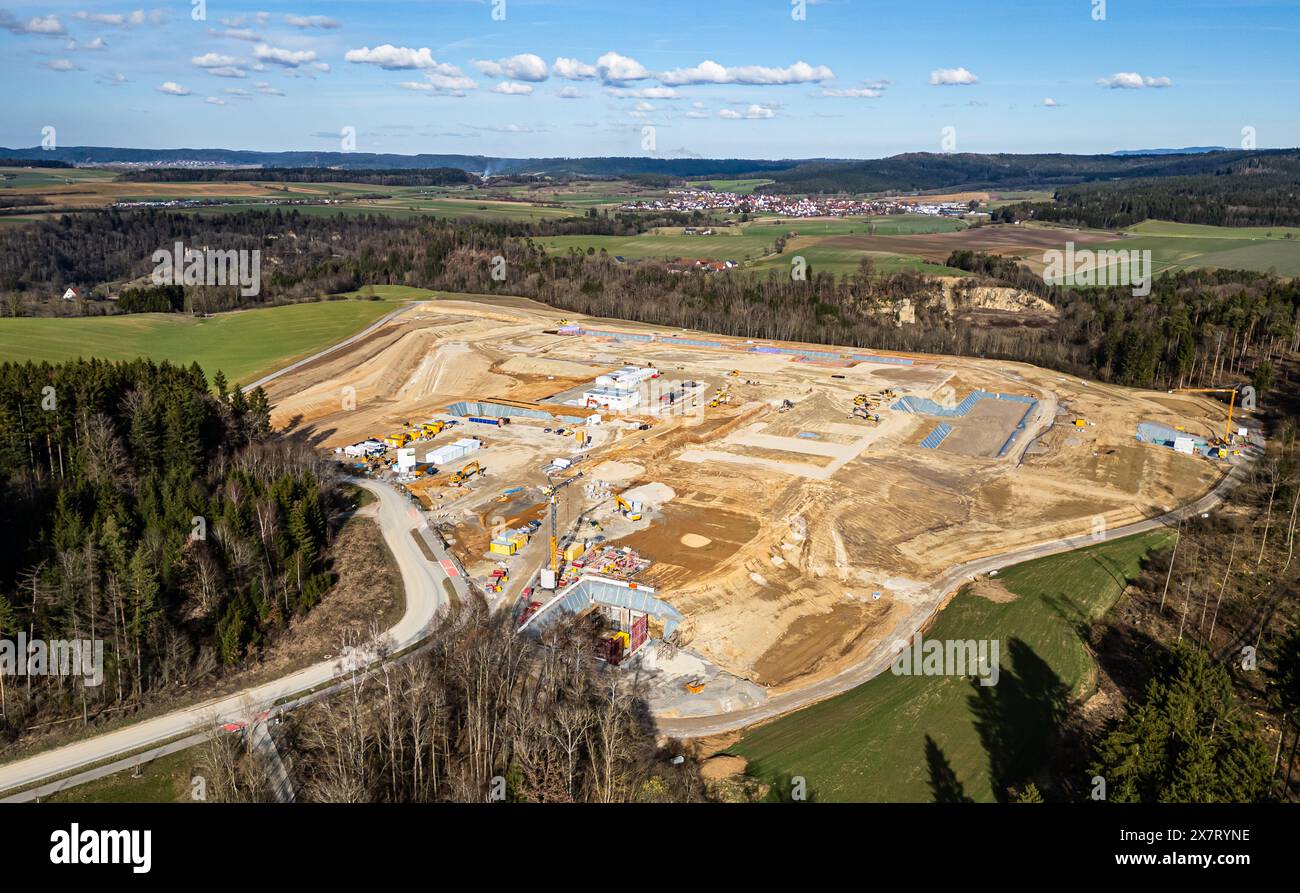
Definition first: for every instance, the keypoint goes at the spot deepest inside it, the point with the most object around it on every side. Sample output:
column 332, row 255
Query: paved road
column 880, row 658
column 425, row 595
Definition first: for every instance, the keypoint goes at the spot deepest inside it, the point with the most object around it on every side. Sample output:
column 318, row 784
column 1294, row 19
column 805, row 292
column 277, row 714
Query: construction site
column 745, row 516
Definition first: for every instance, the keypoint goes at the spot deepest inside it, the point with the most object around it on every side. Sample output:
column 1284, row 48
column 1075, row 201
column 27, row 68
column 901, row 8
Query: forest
column 440, row 176
column 158, row 512
column 1254, row 191
column 480, row 715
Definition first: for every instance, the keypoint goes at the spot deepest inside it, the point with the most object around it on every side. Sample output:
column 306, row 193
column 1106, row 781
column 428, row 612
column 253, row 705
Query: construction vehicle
column 466, row 473
column 734, row 373
column 397, row 440
column 1080, row 423
column 431, row 429
column 631, row 512
column 1226, row 439
column 552, row 492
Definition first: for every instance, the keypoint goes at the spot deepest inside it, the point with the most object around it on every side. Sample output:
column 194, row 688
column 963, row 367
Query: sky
column 708, row 78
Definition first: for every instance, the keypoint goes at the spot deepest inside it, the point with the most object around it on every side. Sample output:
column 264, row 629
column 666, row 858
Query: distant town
column 788, row 206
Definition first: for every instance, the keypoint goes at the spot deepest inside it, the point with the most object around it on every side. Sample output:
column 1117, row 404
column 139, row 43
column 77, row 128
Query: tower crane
column 552, row 491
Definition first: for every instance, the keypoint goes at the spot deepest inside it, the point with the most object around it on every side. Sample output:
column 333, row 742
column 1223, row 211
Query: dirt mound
column 993, row 590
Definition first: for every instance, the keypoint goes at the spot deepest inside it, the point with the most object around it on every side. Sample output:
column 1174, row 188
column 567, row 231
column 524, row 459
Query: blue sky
column 713, row 78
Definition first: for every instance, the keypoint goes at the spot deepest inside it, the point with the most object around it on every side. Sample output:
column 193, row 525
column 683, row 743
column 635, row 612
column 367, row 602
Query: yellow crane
column 1232, row 402
column 552, row 491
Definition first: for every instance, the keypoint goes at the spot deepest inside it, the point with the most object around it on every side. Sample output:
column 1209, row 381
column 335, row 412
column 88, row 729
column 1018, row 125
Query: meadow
column 243, row 344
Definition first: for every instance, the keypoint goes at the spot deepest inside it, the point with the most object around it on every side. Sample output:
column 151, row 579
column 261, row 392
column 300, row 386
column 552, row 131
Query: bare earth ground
column 789, row 555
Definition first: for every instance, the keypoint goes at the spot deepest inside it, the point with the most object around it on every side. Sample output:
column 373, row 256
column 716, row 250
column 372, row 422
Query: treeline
column 1204, row 649
column 303, row 255
column 34, row 162
column 1194, row 328
column 917, row 171
column 439, row 176
column 152, row 299
column 1256, row 191
column 146, row 511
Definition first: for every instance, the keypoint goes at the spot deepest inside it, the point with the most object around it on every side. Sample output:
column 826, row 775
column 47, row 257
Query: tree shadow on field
column 945, row 787
column 1018, row 718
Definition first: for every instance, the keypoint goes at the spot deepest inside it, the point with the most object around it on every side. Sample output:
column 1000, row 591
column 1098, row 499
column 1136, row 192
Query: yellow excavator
column 626, row 508
column 465, row 474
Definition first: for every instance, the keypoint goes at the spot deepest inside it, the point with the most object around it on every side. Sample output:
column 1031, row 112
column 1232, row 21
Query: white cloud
column 62, row 65
column 710, row 72
column 311, row 21
column 952, row 77
column 523, row 67
column 171, row 88
column 1049, row 102
column 212, row 100
column 754, row 111
column 1131, row 80
column 644, row 92
column 226, row 71
column 97, row 43
column 236, row 91
column 237, row 34
column 573, row 70
column 42, row 26
column 267, row 89
column 395, row 58
column 286, row 58
column 212, row 60
column 853, row 92
column 510, row 88
column 615, row 69
column 570, row 93
column 123, row 20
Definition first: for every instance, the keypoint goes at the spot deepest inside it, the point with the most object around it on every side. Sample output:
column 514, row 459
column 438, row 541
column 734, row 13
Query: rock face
column 960, row 297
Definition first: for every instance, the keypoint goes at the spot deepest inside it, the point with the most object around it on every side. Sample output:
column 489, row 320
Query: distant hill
column 1188, row 150
column 476, row 164
column 907, row 173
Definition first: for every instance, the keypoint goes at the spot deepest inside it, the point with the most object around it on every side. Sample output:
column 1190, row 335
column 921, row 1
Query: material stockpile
column 612, row 561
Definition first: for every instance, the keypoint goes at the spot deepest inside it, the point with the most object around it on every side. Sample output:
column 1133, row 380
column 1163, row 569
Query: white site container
column 405, row 459
column 1184, row 445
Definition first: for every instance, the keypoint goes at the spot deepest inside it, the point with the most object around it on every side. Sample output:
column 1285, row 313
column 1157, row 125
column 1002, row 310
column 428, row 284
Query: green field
column 870, row 744
column 739, row 187
column 245, row 344
column 167, row 779
column 23, row 177
column 751, row 244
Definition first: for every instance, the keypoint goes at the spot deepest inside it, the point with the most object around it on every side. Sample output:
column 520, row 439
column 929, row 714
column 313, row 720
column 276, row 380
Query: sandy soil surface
column 792, row 540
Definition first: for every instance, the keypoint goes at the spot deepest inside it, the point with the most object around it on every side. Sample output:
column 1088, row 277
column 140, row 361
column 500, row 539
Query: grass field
column 167, row 779
column 870, row 744
column 751, row 244
column 244, row 345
